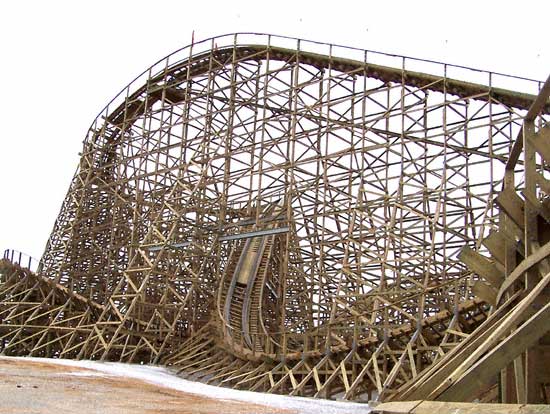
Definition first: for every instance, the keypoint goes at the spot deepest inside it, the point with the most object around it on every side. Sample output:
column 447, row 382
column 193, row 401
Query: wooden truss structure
column 285, row 216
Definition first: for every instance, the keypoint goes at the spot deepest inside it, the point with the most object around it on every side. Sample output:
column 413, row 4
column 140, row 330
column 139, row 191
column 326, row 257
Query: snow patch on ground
column 163, row 377
column 87, row 374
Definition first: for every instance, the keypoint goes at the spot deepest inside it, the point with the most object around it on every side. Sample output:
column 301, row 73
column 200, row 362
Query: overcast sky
column 62, row 61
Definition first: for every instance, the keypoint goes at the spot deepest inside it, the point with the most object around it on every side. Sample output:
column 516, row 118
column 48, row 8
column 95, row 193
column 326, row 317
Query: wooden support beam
column 485, row 370
column 496, row 244
column 512, row 205
column 486, row 292
column 533, row 260
column 482, row 266
column 440, row 407
column 508, row 322
column 541, row 142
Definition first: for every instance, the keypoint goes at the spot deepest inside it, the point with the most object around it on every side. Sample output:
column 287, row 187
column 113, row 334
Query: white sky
column 62, row 61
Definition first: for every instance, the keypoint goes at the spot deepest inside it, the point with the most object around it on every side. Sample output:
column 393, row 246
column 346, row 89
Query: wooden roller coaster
column 286, row 216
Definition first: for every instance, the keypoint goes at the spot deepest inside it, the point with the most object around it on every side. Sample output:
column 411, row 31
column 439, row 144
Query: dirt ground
column 31, row 387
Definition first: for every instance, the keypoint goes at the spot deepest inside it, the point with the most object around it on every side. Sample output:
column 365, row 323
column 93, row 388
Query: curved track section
column 243, row 296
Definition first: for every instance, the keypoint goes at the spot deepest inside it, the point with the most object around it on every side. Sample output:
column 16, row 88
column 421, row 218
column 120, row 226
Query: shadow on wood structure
column 279, row 215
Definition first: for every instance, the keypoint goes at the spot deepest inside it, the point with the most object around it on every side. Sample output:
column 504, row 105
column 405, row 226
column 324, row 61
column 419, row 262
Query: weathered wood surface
column 431, row 407
column 381, row 176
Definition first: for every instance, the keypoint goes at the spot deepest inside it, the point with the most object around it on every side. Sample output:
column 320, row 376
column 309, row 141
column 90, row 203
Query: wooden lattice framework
column 351, row 180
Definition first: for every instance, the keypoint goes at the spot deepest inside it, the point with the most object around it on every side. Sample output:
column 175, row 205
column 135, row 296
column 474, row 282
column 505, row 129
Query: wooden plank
column 312, row 373
column 362, row 373
column 335, row 373
column 512, row 205
column 431, row 377
column 397, row 407
column 481, row 266
column 541, row 142
column 536, row 205
column 317, row 380
column 485, row 370
column 525, row 265
column 440, row 407
column 483, row 291
column 345, row 376
column 543, row 357
column 496, row 244
column 536, row 107
column 519, row 380
column 271, row 380
column 377, row 376
column 541, row 101
column 544, row 184
column 514, row 317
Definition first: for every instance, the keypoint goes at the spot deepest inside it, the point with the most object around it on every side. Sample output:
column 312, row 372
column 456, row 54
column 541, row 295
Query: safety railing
column 22, row 259
column 409, row 64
